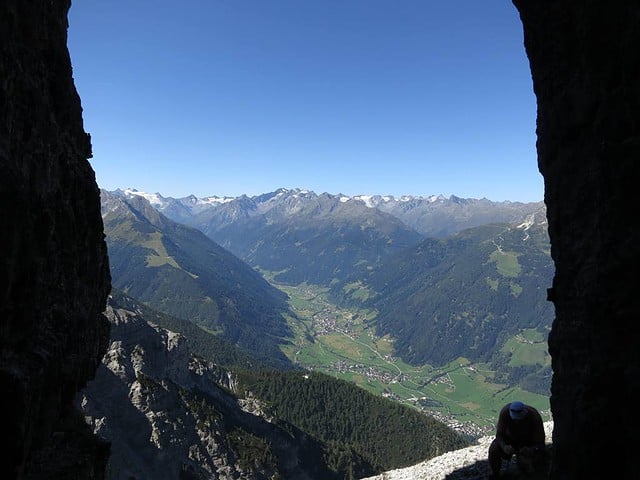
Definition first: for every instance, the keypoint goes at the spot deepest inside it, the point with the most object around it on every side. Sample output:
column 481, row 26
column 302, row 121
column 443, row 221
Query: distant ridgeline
column 321, row 239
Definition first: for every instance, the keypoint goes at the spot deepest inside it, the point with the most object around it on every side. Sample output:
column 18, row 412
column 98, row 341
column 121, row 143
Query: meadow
column 343, row 343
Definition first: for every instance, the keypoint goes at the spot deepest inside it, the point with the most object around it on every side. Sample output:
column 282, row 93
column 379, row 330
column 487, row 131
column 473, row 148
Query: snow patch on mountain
column 215, row 200
column 430, row 216
column 367, row 200
column 154, row 199
column 528, row 223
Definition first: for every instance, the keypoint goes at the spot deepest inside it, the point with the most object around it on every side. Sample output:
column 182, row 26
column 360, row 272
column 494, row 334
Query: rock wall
column 167, row 416
column 54, row 275
column 586, row 76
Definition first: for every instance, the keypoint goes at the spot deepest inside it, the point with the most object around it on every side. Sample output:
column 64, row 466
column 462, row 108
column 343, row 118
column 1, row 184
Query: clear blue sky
column 225, row 97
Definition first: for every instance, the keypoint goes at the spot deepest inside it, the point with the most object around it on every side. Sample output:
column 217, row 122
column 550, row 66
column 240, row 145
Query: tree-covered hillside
column 340, row 429
column 463, row 296
column 383, row 432
column 179, row 271
column 305, row 237
column 202, row 342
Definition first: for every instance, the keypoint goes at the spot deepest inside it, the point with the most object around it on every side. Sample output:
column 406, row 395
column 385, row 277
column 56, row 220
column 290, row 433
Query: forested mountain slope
column 302, row 236
column 178, row 270
column 169, row 413
column 463, row 296
column 379, row 430
column 202, row 342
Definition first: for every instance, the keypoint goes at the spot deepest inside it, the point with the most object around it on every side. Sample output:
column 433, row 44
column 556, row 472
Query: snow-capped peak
column 215, row 200
column 367, row 200
column 152, row 198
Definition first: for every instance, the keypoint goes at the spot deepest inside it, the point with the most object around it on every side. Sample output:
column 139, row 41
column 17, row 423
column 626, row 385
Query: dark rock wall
column 54, row 275
column 585, row 63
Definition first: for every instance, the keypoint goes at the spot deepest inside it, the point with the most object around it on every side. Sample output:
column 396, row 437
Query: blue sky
column 225, row 97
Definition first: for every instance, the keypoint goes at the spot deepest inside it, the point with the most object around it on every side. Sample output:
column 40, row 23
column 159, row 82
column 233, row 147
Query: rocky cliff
column 54, row 276
column 585, row 67
column 169, row 414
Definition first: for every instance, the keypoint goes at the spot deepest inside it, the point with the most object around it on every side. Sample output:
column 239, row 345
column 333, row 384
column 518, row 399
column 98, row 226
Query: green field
column 343, row 343
column 527, row 348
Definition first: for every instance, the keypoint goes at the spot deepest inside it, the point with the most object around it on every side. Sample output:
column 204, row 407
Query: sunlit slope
column 179, row 271
column 337, row 412
column 463, row 296
column 306, row 237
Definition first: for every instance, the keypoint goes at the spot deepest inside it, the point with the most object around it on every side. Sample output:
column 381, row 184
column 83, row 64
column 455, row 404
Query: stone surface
column 586, row 69
column 467, row 463
column 54, row 276
column 166, row 412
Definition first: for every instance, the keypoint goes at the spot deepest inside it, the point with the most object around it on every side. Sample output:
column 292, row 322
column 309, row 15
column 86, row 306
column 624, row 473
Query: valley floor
column 343, row 343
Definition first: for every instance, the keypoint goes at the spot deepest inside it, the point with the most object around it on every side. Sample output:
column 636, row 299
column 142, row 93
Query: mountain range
column 178, row 270
column 464, row 294
column 430, row 216
column 302, row 236
column 466, row 290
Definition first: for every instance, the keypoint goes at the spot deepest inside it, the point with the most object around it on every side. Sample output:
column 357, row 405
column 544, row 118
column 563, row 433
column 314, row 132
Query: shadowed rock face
column 586, row 76
column 54, row 276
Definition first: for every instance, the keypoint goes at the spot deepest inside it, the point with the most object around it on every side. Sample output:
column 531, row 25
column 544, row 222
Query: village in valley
column 343, row 345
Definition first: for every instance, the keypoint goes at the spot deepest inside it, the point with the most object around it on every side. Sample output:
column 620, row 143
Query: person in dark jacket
column 519, row 431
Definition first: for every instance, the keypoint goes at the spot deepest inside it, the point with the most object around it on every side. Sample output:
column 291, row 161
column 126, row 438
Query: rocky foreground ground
column 465, row 464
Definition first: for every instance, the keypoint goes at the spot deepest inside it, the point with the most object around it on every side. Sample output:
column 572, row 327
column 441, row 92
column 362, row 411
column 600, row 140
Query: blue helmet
column 517, row 410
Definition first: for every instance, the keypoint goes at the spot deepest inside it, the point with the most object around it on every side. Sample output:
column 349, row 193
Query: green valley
column 342, row 342
column 453, row 326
